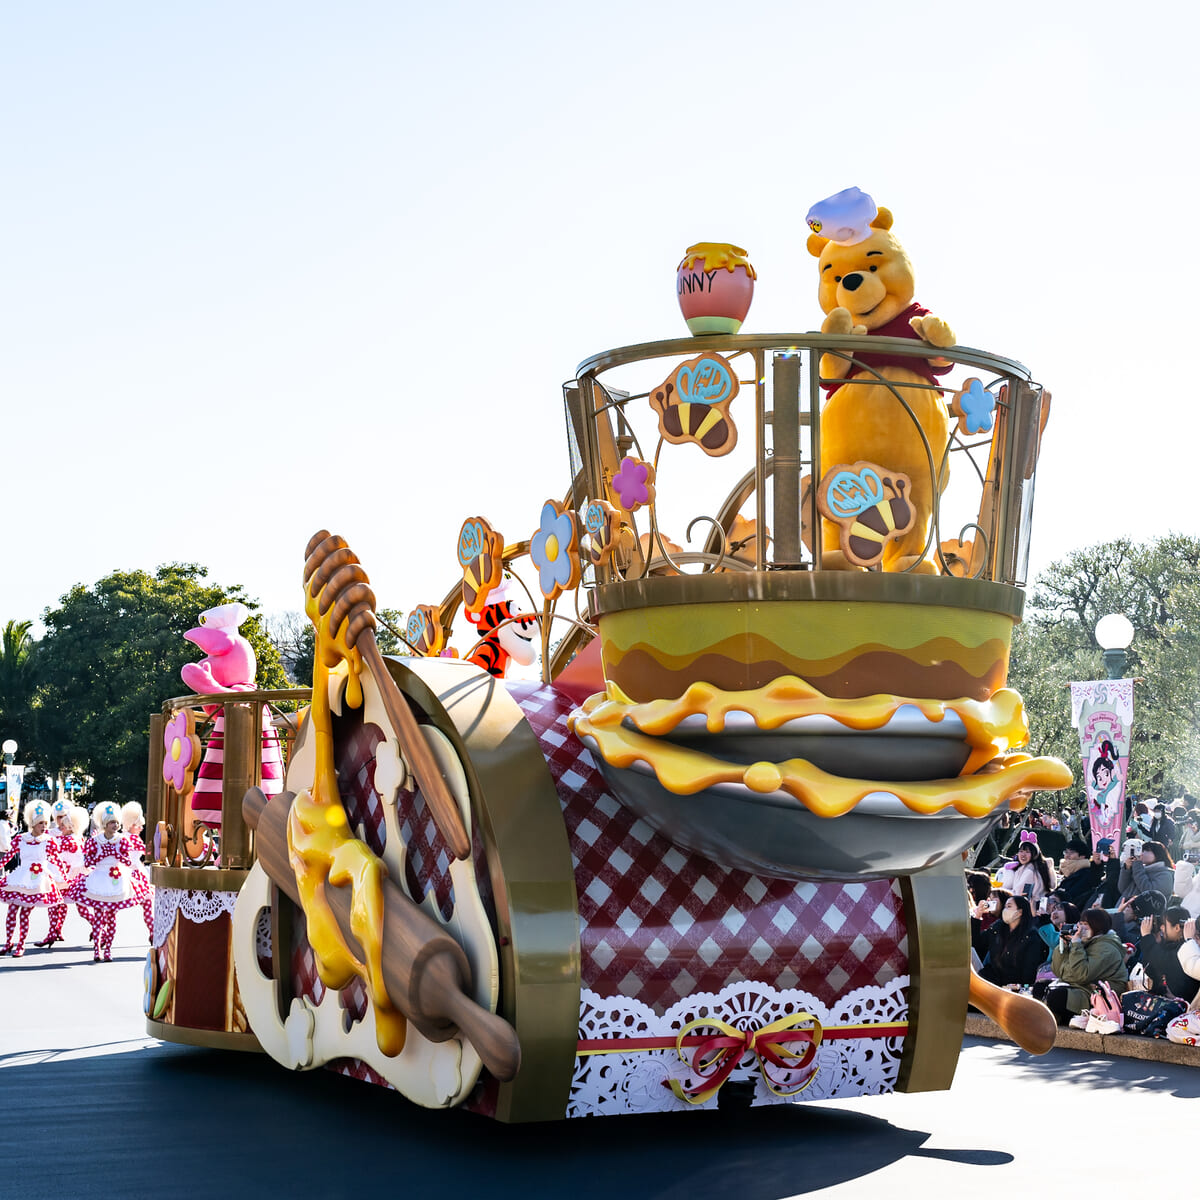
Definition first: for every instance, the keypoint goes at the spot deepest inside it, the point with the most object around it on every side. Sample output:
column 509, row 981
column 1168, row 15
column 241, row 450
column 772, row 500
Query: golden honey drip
column 323, row 852
column 717, row 255
column 993, row 727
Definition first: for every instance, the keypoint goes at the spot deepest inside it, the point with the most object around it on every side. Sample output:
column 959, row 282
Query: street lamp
column 10, row 748
column 1114, row 633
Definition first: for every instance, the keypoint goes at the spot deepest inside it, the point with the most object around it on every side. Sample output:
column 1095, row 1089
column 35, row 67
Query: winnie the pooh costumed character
column 866, row 287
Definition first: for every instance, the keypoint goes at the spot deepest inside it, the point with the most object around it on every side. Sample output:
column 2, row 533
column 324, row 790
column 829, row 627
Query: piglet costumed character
column 111, row 882
column 70, row 822
column 32, row 884
column 229, row 665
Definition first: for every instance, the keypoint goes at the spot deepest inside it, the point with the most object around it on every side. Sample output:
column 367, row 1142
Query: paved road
column 190, row 1123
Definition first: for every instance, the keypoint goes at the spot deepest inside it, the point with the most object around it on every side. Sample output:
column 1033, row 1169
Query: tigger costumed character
column 505, row 634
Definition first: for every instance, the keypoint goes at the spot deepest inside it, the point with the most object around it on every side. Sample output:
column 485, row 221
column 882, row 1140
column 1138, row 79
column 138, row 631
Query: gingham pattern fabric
column 658, row 924
column 355, row 756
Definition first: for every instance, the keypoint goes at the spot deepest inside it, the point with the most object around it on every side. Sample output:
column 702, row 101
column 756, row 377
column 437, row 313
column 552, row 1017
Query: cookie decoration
column 974, row 406
column 602, row 523
column 633, row 484
column 693, row 405
column 869, row 505
column 481, row 556
column 554, row 550
column 424, row 631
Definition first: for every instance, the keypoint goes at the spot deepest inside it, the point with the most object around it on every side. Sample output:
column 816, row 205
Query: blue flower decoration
column 974, row 405
column 554, row 550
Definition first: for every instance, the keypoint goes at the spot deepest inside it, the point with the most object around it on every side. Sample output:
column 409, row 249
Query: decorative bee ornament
column 868, row 505
column 693, row 405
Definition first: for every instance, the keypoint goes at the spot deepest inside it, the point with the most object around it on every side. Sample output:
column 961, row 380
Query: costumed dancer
column 32, row 884
column 229, row 665
column 133, row 821
column 108, row 885
column 71, row 822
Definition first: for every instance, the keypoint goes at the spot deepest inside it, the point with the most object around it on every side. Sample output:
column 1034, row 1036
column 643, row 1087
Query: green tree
column 1157, row 586
column 390, row 623
column 112, row 654
column 18, row 683
column 294, row 638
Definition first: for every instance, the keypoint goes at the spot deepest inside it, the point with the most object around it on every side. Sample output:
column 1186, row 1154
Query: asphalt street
column 145, row 1118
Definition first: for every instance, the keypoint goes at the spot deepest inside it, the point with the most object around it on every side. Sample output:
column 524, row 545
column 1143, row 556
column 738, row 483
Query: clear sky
column 269, row 267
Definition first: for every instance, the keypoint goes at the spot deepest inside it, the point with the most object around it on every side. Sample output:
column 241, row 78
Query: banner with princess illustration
column 14, row 780
column 1102, row 711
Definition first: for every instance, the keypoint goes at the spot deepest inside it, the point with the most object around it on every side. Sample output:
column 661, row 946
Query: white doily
column 626, row 1083
column 262, row 937
column 196, row 906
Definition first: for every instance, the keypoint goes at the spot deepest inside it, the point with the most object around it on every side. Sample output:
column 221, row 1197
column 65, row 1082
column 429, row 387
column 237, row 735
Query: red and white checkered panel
column 427, row 865
column 658, row 924
column 305, row 980
column 428, row 857
column 354, row 752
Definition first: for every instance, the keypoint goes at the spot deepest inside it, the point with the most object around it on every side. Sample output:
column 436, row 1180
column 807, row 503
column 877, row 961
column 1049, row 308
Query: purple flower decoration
column 634, row 484
column 554, row 550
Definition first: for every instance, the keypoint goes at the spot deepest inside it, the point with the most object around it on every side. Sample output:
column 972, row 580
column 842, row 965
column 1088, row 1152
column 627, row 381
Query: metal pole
column 237, row 778
column 785, row 439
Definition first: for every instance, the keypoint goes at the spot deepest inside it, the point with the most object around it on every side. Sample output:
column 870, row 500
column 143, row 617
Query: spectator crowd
column 1107, row 937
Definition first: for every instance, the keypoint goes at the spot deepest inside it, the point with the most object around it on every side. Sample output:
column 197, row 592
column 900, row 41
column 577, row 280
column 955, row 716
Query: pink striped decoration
column 206, row 799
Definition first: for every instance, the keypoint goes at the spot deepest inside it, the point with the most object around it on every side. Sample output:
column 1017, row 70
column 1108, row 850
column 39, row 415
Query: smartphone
column 1027, row 890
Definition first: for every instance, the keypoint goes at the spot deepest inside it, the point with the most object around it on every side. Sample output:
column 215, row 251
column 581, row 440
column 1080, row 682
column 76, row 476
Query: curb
column 1122, row 1045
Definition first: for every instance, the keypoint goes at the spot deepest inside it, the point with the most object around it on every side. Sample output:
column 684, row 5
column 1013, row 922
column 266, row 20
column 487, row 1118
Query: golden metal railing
column 183, row 841
column 980, row 522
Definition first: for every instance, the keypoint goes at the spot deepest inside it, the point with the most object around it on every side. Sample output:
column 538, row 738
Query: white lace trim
column 262, row 937
column 626, row 1083
column 196, row 906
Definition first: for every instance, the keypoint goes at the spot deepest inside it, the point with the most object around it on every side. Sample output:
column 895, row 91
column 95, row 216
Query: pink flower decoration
column 634, row 483
column 182, row 748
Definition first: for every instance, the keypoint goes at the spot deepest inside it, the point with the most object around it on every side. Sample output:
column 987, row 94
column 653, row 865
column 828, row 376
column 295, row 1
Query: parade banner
column 1102, row 711
column 15, row 779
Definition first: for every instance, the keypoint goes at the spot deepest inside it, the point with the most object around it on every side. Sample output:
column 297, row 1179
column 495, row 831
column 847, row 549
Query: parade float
column 714, row 855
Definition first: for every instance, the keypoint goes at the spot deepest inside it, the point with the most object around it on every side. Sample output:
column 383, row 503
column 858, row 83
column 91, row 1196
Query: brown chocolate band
column 754, row 647
column 641, row 677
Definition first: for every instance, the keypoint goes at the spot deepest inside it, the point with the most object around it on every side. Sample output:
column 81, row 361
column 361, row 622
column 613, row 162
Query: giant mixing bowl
column 849, row 635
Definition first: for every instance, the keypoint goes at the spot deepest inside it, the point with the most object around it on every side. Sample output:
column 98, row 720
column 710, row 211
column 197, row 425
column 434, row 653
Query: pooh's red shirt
column 897, row 327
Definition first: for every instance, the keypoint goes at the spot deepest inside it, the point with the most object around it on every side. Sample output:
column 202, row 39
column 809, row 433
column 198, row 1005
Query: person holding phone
column 1165, row 974
column 1146, row 868
column 1081, row 960
column 984, row 915
column 1189, row 950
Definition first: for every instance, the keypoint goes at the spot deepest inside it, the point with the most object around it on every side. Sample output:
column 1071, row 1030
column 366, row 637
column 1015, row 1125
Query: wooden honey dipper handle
column 333, row 573
column 425, row 970
column 425, row 767
column 1027, row 1021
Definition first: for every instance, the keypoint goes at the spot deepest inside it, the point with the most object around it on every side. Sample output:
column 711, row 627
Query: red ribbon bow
column 715, row 1057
